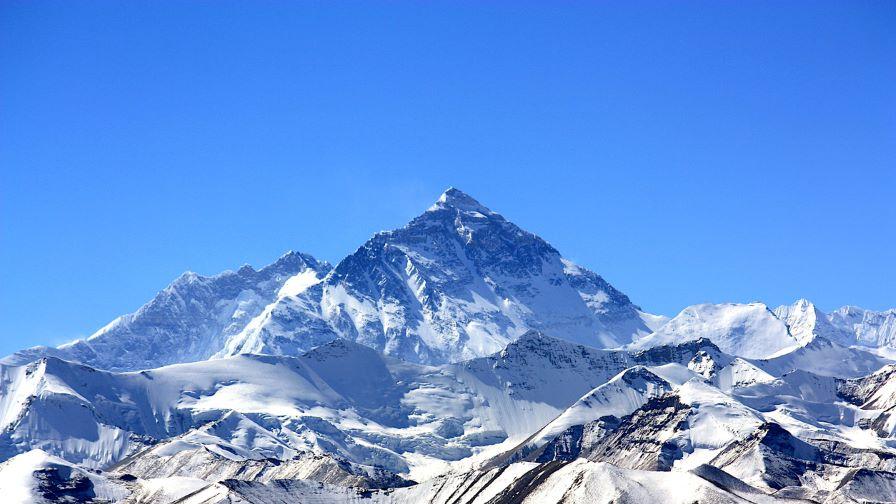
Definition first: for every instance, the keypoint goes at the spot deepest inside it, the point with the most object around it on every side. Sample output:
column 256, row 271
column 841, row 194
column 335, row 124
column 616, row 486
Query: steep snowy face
column 806, row 322
column 47, row 404
column 190, row 320
column 622, row 395
column 868, row 328
column 875, row 391
column 457, row 282
column 746, row 330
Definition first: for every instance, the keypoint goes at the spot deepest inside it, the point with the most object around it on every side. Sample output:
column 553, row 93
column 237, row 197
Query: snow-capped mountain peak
column 806, row 322
column 457, row 282
column 455, row 199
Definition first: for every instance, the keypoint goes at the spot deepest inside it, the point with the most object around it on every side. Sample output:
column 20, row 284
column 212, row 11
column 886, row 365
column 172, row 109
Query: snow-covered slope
column 746, row 330
column 36, row 477
column 875, row 391
column 543, row 369
column 740, row 373
column 457, row 282
column 578, row 482
column 346, row 415
column 826, row 358
column 341, row 399
column 190, row 320
column 623, row 394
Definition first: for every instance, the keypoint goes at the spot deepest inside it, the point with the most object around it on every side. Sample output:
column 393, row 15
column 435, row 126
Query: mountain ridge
column 188, row 320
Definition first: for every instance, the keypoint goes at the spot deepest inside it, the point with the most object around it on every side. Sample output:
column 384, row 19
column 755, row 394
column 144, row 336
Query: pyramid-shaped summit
column 459, row 200
column 458, row 281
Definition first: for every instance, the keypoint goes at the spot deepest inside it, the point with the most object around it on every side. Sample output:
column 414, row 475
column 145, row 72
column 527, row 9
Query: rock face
column 875, row 391
column 457, row 282
column 190, row 320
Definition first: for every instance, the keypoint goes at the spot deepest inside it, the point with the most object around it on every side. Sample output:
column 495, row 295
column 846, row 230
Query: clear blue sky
column 687, row 151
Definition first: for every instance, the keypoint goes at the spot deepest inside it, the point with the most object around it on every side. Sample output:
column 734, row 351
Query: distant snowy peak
column 755, row 332
column 747, row 330
column 806, row 322
column 849, row 325
column 457, row 282
column 794, row 337
column 189, row 320
column 867, row 327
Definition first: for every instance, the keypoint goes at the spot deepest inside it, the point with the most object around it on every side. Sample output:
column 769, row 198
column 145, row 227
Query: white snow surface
column 754, row 331
column 746, row 330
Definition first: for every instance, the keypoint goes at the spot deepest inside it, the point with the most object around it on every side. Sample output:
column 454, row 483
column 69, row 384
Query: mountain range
column 457, row 359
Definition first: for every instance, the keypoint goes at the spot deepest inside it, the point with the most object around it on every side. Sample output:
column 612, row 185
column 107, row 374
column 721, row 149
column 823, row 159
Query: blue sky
column 687, row 151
